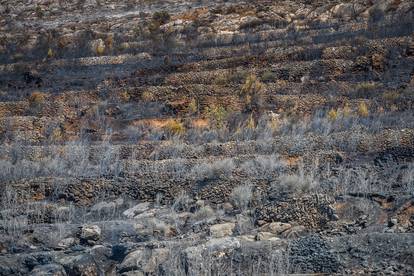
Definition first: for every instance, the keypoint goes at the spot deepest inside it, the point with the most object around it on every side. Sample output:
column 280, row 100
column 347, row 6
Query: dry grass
column 37, row 98
column 174, row 127
column 363, row 110
column 191, row 15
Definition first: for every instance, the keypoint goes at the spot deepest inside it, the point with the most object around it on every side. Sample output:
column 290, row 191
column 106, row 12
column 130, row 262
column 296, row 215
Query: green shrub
column 268, row 76
column 366, row 86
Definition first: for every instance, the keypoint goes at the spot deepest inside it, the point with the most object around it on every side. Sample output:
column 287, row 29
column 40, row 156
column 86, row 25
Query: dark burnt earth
column 155, row 137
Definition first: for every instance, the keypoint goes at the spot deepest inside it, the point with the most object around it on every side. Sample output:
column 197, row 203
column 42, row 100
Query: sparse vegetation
column 214, row 170
column 241, row 196
column 206, row 138
column 174, row 127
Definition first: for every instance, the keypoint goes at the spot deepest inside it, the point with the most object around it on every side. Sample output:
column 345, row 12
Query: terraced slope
column 206, row 137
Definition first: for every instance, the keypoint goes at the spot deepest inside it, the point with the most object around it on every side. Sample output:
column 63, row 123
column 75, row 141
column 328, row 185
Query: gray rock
column 10, row 265
column 48, row 270
column 66, row 243
column 145, row 260
column 102, row 254
column 83, row 265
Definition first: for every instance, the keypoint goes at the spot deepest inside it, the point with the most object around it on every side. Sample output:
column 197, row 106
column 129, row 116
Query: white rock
column 276, row 227
column 247, row 238
column 347, row 10
column 265, row 236
column 136, row 210
column 66, row 243
column 221, row 244
column 147, row 214
column 90, row 233
column 222, row 230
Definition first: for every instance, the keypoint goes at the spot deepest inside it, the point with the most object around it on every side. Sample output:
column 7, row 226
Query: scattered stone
column 311, row 254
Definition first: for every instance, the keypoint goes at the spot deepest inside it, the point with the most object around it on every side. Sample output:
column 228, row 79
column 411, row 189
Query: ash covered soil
column 155, row 137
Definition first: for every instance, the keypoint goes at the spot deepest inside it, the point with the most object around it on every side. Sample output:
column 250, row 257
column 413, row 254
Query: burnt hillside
column 155, row 137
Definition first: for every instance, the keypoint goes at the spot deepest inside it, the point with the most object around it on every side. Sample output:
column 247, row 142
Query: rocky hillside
column 166, row 137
